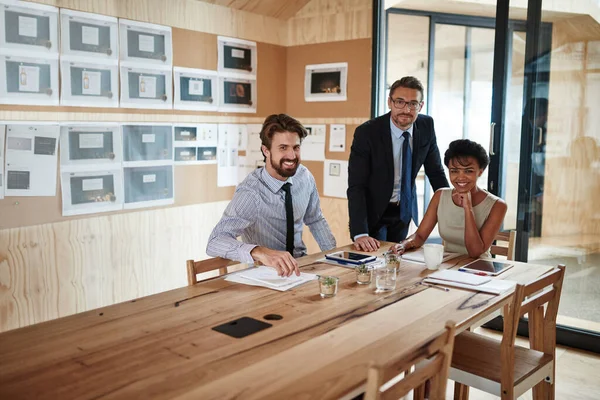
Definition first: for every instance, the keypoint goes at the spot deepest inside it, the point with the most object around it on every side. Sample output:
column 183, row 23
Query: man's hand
column 366, row 243
column 282, row 261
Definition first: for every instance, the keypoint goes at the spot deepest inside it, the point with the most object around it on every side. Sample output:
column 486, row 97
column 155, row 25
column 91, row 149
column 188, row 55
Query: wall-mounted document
column 28, row 28
column 237, row 94
column 337, row 138
column 146, row 144
column 89, row 84
column 88, row 35
column 195, row 89
column 195, row 144
column 90, row 147
column 143, row 43
column 313, row 146
column 227, row 155
column 2, row 137
column 326, row 82
column 31, row 159
column 91, row 192
column 237, row 56
column 144, row 88
column 335, row 179
column 149, row 186
column 254, row 154
column 29, row 81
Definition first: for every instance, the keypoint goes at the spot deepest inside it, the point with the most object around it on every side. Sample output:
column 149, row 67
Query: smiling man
column 386, row 155
column 271, row 205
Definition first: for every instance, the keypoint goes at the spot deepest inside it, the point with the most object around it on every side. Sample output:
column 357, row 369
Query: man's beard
column 281, row 170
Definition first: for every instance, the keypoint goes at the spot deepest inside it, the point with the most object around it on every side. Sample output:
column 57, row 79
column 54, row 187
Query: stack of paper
column 267, row 277
column 418, row 255
column 470, row 281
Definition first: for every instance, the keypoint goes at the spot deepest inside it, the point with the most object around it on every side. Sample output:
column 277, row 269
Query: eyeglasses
column 400, row 104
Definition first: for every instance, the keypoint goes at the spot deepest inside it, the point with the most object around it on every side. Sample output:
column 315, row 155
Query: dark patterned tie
column 405, row 186
column 289, row 218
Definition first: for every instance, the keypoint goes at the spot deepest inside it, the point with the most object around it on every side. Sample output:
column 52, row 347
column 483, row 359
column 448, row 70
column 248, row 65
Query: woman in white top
column 468, row 216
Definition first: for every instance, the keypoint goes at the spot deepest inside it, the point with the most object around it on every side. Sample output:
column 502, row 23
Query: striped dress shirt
column 257, row 214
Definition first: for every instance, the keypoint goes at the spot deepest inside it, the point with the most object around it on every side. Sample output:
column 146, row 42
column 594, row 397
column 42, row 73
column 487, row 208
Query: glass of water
column 385, row 278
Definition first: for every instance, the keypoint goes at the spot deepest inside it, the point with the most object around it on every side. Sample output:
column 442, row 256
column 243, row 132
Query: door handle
column 540, row 138
column 492, row 128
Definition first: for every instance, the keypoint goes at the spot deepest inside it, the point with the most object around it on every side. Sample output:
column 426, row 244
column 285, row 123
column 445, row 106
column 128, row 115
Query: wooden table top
column 162, row 346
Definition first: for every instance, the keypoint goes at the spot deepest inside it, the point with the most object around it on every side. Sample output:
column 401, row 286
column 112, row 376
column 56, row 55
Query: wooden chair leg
column 419, row 393
column 461, row 392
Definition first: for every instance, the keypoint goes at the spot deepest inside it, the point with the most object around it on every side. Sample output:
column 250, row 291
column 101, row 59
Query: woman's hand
column 398, row 248
column 463, row 199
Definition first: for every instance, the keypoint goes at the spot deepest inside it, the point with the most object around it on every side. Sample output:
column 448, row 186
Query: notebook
column 465, row 280
column 267, row 277
column 418, row 255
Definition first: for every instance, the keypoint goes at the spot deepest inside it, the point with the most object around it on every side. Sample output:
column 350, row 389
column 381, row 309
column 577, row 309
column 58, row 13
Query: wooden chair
column 500, row 367
column 509, row 251
column 197, row 267
column 435, row 355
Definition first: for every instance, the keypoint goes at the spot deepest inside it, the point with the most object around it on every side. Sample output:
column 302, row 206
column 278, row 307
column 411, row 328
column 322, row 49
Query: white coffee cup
column 434, row 254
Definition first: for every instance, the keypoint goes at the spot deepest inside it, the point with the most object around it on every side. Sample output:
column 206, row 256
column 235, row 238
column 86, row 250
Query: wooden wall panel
column 336, row 213
column 316, row 168
column 53, row 270
column 322, row 21
column 358, row 55
column 187, row 14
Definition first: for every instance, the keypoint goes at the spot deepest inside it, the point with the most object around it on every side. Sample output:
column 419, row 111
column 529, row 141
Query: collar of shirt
column 398, row 132
column 273, row 184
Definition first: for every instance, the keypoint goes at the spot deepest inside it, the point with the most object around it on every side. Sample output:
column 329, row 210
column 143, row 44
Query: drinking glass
column 385, row 278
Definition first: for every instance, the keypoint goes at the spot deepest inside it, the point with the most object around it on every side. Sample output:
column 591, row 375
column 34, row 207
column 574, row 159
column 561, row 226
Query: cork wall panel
column 357, row 53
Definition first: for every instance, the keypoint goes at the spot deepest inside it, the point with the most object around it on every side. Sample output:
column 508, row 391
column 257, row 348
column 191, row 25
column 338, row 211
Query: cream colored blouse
column 451, row 220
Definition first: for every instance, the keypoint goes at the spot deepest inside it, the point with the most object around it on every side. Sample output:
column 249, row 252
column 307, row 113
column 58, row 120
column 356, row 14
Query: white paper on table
column 313, row 146
column 337, row 138
column 196, row 87
column 27, row 26
column 91, row 82
column 418, row 255
column 31, row 160
column 2, row 135
column 335, row 178
column 90, row 35
column 495, row 286
column 146, row 43
column 147, row 86
column 267, row 277
column 29, row 78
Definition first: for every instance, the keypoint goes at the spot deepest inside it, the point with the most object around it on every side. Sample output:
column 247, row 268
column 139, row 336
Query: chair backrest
column 382, row 381
column 508, row 251
column 539, row 300
column 197, row 267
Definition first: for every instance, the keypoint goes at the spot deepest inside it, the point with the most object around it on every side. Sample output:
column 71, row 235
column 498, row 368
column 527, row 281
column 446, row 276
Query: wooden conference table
column 162, row 346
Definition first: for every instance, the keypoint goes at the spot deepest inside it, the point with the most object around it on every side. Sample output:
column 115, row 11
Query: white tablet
column 486, row 267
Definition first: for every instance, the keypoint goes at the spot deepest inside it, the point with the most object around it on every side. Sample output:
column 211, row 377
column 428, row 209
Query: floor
column 577, row 375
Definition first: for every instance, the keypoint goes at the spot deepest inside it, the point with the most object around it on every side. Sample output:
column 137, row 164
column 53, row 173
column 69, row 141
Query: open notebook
column 469, row 281
column 418, row 255
column 267, row 277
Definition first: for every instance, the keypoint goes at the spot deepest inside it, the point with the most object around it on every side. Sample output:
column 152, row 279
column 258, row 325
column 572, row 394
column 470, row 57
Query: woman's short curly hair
column 463, row 148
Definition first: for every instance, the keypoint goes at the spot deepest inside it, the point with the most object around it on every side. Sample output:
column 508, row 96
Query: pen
column 445, row 289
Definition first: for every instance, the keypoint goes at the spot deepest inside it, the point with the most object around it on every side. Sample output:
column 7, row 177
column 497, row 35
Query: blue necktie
column 405, row 185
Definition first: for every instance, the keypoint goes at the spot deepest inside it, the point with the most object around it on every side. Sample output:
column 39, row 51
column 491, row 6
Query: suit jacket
column 371, row 169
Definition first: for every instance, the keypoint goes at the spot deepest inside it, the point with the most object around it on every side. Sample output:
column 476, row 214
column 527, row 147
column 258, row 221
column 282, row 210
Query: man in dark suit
column 387, row 153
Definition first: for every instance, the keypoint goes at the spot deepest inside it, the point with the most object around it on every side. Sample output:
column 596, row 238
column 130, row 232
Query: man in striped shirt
column 271, row 205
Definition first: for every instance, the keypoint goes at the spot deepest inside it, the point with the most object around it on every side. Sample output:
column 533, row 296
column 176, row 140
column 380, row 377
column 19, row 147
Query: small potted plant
column 328, row 285
column 364, row 274
column 393, row 260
